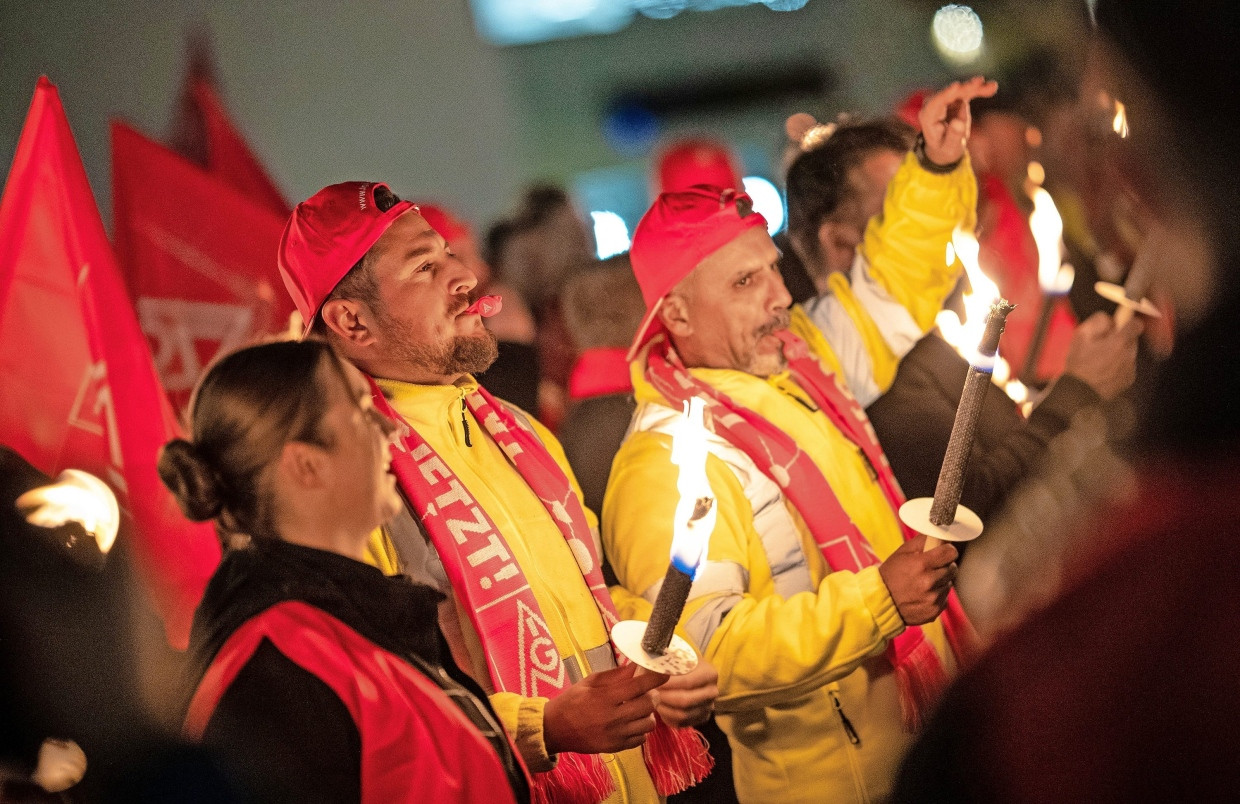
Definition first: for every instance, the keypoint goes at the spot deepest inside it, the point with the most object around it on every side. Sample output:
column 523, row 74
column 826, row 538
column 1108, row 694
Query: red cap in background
column 909, row 109
column 679, row 231
column 690, row 162
column 441, row 220
column 325, row 237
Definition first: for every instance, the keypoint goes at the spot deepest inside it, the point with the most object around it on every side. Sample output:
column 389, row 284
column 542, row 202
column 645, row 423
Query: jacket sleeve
column 768, row 649
column 286, row 733
column 905, row 247
column 522, row 718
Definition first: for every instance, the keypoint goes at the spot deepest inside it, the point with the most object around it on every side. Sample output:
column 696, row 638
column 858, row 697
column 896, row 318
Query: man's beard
column 463, row 354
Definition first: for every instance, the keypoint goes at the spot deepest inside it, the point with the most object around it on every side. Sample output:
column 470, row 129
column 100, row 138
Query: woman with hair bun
column 317, row 678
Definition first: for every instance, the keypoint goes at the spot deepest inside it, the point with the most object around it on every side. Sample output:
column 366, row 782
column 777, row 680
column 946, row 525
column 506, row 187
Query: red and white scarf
column 520, row 650
column 843, row 546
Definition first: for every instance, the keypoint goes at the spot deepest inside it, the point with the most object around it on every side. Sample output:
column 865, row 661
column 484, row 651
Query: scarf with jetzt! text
column 520, row 650
column 843, row 546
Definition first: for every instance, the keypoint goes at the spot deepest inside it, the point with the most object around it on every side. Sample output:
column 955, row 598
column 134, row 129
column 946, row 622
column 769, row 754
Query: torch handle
column 668, row 606
column 1123, row 314
column 951, row 476
column 950, row 485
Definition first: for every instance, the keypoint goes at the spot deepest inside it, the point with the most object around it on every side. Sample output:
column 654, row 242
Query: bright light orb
column 610, row 233
column 767, row 201
column 957, row 33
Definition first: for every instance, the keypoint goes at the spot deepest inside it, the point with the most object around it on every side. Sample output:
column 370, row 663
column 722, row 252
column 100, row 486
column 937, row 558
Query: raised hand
column 945, row 119
column 919, row 581
column 603, row 713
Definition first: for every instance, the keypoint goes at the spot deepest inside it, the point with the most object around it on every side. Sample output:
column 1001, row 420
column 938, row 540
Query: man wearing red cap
column 494, row 518
column 820, row 611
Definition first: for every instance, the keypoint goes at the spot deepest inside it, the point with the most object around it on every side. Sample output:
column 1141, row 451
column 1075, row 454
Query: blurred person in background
column 318, row 678
column 602, row 307
column 1123, row 686
column 493, row 516
column 1002, row 149
column 819, row 609
column 689, row 161
column 514, row 374
column 835, row 191
column 535, row 250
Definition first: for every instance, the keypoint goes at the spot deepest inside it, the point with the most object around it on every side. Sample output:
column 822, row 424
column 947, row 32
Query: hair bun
column 191, row 479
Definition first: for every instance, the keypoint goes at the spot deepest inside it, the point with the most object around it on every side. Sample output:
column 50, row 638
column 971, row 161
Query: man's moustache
column 775, row 325
column 461, row 305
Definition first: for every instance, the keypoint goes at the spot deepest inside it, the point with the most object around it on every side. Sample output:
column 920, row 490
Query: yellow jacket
column 795, row 644
column 540, row 549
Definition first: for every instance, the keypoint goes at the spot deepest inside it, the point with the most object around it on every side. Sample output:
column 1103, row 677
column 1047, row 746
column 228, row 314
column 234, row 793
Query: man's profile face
column 734, row 302
column 867, row 186
column 423, row 292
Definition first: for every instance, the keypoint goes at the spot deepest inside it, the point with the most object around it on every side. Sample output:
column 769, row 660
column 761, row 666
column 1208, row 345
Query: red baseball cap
column 679, row 231
column 691, row 162
column 449, row 226
column 325, row 237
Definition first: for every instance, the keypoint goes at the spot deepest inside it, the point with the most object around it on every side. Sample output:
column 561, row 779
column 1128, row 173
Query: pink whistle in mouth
column 486, row 306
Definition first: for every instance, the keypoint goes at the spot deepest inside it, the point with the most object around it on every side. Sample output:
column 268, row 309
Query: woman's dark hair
column 818, row 179
column 245, row 409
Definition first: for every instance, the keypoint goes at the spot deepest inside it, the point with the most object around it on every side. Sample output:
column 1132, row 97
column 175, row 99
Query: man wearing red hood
column 820, row 611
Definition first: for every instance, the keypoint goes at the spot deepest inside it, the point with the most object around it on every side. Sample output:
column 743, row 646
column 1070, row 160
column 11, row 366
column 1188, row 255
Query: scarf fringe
column 961, row 635
column 575, row 779
column 921, row 680
column 676, row 758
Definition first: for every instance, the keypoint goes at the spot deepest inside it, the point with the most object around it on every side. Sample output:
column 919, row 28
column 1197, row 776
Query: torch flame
column 965, row 337
column 75, row 497
column 1054, row 276
column 695, row 511
column 1119, row 124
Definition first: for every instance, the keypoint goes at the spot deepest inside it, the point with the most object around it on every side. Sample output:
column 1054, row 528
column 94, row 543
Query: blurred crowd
column 432, row 498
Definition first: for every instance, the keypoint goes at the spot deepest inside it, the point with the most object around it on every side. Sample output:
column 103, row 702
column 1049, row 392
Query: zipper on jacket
column 465, row 420
column 853, row 737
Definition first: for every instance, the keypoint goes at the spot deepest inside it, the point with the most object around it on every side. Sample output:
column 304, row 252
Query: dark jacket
column 927, row 390
column 285, row 732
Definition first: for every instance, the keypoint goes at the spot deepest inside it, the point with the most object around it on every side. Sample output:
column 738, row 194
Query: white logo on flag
column 175, row 325
column 95, row 412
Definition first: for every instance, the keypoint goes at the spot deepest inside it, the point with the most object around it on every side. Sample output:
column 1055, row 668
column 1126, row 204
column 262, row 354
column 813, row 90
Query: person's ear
column 837, row 243
column 305, row 466
column 674, row 315
column 827, row 236
column 349, row 319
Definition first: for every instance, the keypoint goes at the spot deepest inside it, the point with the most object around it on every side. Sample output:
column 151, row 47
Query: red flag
column 78, row 387
column 199, row 257
column 228, row 156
